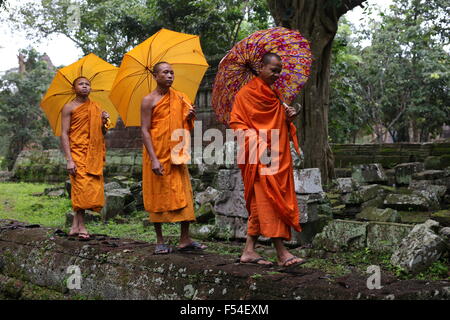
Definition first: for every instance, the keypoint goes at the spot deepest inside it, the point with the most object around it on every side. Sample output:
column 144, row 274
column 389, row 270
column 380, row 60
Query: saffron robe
column 168, row 198
column 87, row 147
column 270, row 198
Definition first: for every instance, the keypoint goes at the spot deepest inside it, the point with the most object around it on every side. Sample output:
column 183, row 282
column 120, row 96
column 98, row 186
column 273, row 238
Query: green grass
column 17, row 202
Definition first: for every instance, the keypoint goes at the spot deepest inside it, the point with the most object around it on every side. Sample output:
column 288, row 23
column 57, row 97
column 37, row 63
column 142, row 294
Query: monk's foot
column 192, row 246
column 290, row 261
column 73, row 232
column 254, row 258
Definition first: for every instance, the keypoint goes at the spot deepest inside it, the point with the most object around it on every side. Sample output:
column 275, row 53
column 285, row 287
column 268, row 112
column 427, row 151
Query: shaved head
column 157, row 66
column 267, row 58
column 75, row 81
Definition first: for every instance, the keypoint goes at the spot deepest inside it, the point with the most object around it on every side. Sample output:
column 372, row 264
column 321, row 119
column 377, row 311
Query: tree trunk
column 318, row 22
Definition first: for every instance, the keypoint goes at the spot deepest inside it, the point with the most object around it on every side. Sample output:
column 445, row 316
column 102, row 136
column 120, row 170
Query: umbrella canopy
column 244, row 60
column 100, row 73
column 135, row 80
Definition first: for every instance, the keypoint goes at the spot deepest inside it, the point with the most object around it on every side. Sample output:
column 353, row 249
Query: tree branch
column 347, row 5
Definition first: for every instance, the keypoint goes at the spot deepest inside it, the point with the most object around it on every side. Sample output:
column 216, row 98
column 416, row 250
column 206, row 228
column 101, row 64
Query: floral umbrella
column 241, row 63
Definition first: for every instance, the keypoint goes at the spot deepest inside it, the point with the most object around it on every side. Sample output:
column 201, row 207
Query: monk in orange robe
column 82, row 130
column 166, row 186
column 270, row 195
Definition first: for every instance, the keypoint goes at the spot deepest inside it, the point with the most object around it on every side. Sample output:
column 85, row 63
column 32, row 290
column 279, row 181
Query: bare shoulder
column 149, row 100
column 68, row 107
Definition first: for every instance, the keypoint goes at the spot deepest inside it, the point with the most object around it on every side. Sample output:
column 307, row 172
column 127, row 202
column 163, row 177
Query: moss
column 414, row 216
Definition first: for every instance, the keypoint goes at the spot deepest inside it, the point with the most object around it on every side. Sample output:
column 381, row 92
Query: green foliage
column 111, row 28
column 399, row 83
column 22, row 120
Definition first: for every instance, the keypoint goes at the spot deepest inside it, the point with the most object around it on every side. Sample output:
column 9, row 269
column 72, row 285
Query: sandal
column 193, row 246
column 162, row 248
column 302, row 261
column 256, row 261
column 83, row 236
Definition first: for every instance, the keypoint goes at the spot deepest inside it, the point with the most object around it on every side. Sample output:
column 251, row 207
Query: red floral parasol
column 241, row 63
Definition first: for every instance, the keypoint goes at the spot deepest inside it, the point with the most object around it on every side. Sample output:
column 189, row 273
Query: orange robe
column 270, row 199
column 87, row 146
column 168, row 198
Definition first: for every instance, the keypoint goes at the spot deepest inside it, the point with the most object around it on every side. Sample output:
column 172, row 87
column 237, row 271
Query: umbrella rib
column 136, row 60
column 176, row 44
column 131, row 75
column 92, row 78
column 71, row 84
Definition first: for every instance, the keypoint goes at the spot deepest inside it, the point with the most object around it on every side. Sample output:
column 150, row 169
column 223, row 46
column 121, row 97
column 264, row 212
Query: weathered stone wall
column 435, row 155
column 50, row 165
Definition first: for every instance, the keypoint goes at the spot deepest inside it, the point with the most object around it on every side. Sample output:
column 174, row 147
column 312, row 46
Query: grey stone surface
column 369, row 173
column 209, row 195
column 308, row 181
column 406, row 202
column 115, row 202
column 381, row 215
column 225, row 179
column 429, row 175
column 405, row 171
column 231, row 203
column 342, row 235
column 385, row 236
column 419, row 249
column 112, row 186
column 345, row 185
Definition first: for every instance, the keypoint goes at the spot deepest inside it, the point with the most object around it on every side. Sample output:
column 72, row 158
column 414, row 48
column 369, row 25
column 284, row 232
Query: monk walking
column 82, row 130
column 270, row 198
column 166, row 185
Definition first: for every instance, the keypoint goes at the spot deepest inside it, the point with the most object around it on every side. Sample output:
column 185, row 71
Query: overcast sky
column 63, row 51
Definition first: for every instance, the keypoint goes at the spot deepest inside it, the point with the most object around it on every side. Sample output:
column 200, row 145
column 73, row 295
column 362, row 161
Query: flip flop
column 162, row 249
column 294, row 264
column 83, row 236
column 193, row 246
column 255, row 261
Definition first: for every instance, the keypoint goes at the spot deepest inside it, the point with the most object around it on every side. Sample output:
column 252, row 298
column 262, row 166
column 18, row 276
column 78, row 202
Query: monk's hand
column 191, row 113
column 290, row 112
column 105, row 116
column 71, row 167
column 157, row 168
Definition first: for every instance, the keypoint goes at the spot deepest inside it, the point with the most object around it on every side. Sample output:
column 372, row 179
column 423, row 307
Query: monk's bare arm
column 66, row 114
column 146, row 117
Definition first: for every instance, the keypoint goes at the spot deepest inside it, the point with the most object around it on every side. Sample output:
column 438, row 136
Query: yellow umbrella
column 101, row 75
column 134, row 79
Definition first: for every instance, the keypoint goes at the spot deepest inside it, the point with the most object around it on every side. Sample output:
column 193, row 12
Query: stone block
column 345, row 185
column 307, row 181
column 225, row 179
column 428, row 175
column 342, row 235
column 406, row 202
column 231, row 203
column 405, row 171
column 414, row 216
column 385, row 237
column 419, row 249
column 369, row 173
column 209, row 195
column 442, row 216
column 381, row 215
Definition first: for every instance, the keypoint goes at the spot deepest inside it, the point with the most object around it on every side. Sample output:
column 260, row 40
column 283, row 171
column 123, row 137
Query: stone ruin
column 366, row 206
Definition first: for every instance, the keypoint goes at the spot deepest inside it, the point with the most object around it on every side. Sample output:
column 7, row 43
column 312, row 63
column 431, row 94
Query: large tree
column 318, row 22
